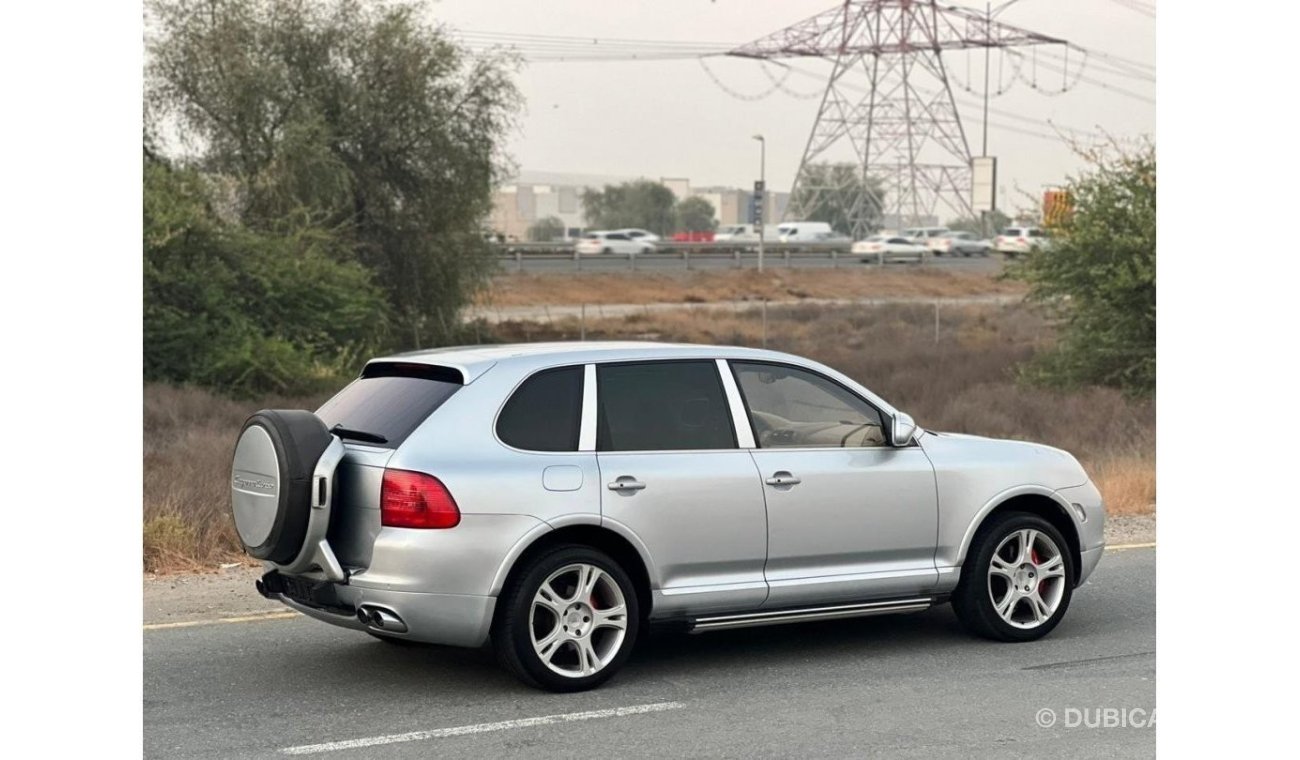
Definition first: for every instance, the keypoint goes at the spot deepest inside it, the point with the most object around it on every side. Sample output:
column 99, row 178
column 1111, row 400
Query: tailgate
column 354, row 515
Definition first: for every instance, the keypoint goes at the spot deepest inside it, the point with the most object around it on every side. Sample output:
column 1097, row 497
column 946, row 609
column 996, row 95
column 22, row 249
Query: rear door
column 674, row 477
column 850, row 517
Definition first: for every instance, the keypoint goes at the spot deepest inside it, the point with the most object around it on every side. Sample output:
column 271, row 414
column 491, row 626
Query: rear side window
column 545, row 412
column 389, row 401
column 662, row 406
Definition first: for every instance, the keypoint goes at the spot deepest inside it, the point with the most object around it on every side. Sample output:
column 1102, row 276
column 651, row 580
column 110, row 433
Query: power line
column 1146, row 9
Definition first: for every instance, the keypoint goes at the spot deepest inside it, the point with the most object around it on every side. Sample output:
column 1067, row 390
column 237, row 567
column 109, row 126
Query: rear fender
column 566, row 521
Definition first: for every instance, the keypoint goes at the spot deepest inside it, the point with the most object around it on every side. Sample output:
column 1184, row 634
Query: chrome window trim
column 739, row 416
column 587, row 427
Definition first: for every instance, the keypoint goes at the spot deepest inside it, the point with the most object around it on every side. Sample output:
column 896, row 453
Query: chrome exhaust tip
column 383, row 619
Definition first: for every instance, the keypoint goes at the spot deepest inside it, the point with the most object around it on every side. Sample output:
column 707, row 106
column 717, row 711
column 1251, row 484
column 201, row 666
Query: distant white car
column 803, row 232
column 729, row 232
column 598, row 242
column 744, row 232
column 923, row 235
column 1018, row 241
column 645, row 236
column 963, row 243
column 884, row 248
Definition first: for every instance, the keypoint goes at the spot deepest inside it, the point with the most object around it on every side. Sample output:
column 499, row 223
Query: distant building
column 535, row 195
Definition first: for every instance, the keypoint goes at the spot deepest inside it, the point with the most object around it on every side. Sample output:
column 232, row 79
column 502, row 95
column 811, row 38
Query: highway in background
column 559, row 263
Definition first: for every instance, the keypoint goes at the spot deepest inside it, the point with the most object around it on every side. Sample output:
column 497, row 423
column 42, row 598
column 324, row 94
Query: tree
column 839, row 195
column 695, row 214
column 546, row 229
column 997, row 222
column 1099, row 275
column 642, row 204
column 350, row 116
column 243, row 311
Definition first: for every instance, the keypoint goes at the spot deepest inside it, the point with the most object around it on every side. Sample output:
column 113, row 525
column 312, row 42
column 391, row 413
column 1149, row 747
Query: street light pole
column 989, row 13
column 762, row 198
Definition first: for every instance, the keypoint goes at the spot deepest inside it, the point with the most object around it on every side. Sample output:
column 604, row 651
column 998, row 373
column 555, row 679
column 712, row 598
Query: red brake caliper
column 1033, row 557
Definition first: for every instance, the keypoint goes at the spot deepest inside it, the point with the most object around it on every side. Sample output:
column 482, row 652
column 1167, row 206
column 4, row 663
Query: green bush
column 1099, row 278
column 243, row 311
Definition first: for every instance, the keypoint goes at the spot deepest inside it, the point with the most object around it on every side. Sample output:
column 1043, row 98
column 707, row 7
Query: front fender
column 973, row 526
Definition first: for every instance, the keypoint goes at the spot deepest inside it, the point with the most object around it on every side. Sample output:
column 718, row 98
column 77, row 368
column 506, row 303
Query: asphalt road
column 902, row 686
column 662, row 263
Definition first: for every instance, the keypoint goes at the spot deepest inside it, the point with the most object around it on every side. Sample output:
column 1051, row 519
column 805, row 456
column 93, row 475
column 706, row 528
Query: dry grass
column 188, row 435
column 963, row 383
column 852, row 281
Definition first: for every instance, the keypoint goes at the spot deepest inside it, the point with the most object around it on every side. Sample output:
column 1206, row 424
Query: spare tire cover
column 271, row 480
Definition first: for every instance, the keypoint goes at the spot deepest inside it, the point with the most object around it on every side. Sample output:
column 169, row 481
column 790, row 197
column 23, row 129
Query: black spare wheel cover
column 271, row 480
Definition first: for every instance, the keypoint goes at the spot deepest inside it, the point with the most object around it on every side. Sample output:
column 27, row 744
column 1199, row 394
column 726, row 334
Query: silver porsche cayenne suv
column 556, row 499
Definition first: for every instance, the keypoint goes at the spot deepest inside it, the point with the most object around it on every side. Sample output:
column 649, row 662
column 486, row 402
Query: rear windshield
column 389, row 400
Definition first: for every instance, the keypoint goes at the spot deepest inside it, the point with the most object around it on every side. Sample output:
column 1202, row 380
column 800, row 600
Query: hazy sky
column 670, row 119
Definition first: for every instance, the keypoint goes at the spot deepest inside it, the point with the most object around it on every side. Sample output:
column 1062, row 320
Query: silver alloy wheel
column 578, row 620
column 1027, row 578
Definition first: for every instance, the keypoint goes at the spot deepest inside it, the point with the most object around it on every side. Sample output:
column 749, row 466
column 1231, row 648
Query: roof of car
column 473, row 361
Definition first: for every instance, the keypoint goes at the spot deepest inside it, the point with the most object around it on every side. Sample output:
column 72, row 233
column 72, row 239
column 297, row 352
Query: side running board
column 780, row 617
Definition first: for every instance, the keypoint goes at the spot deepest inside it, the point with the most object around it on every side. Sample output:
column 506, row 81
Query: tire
column 1048, row 569
column 518, row 623
column 606, row 251
column 271, row 479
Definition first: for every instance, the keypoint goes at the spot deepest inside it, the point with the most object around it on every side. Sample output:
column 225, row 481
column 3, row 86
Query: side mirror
column 903, row 430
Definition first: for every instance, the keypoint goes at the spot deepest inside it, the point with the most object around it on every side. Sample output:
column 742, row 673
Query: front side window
column 662, row 406
column 545, row 412
column 795, row 408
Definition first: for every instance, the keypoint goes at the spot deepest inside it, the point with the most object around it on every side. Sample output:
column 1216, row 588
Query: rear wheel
column 1017, row 580
column 567, row 621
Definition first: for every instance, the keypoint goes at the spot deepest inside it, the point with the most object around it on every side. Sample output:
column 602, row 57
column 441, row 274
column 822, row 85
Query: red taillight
column 415, row 500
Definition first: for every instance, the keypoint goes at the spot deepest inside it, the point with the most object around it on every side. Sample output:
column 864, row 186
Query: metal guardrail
column 776, row 254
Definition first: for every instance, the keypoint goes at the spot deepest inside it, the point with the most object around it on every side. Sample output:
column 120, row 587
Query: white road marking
column 480, row 728
column 1122, row 547
column 253, row 618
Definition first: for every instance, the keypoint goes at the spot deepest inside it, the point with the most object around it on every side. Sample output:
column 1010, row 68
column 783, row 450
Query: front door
column 849, row 516
column 672, row 475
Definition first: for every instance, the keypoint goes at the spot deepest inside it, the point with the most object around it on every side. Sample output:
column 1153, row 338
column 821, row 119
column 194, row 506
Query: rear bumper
column 461, row 620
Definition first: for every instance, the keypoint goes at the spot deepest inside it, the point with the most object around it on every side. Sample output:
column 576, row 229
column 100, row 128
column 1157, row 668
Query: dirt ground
column 734, row 285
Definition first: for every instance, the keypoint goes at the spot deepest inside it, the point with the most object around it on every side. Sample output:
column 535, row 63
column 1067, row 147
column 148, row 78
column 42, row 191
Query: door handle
column 626, row 483
column 783, row 478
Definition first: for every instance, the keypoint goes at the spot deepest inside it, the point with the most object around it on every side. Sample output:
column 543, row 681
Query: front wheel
column 1017, row 580
column 568, row 621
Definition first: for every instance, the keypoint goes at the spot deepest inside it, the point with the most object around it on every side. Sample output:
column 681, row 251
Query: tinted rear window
column 545, row 413
column 390, row 400
column 662, row 406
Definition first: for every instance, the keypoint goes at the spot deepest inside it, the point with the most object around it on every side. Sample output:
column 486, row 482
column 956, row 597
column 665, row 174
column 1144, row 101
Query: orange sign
column 1057, row 207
